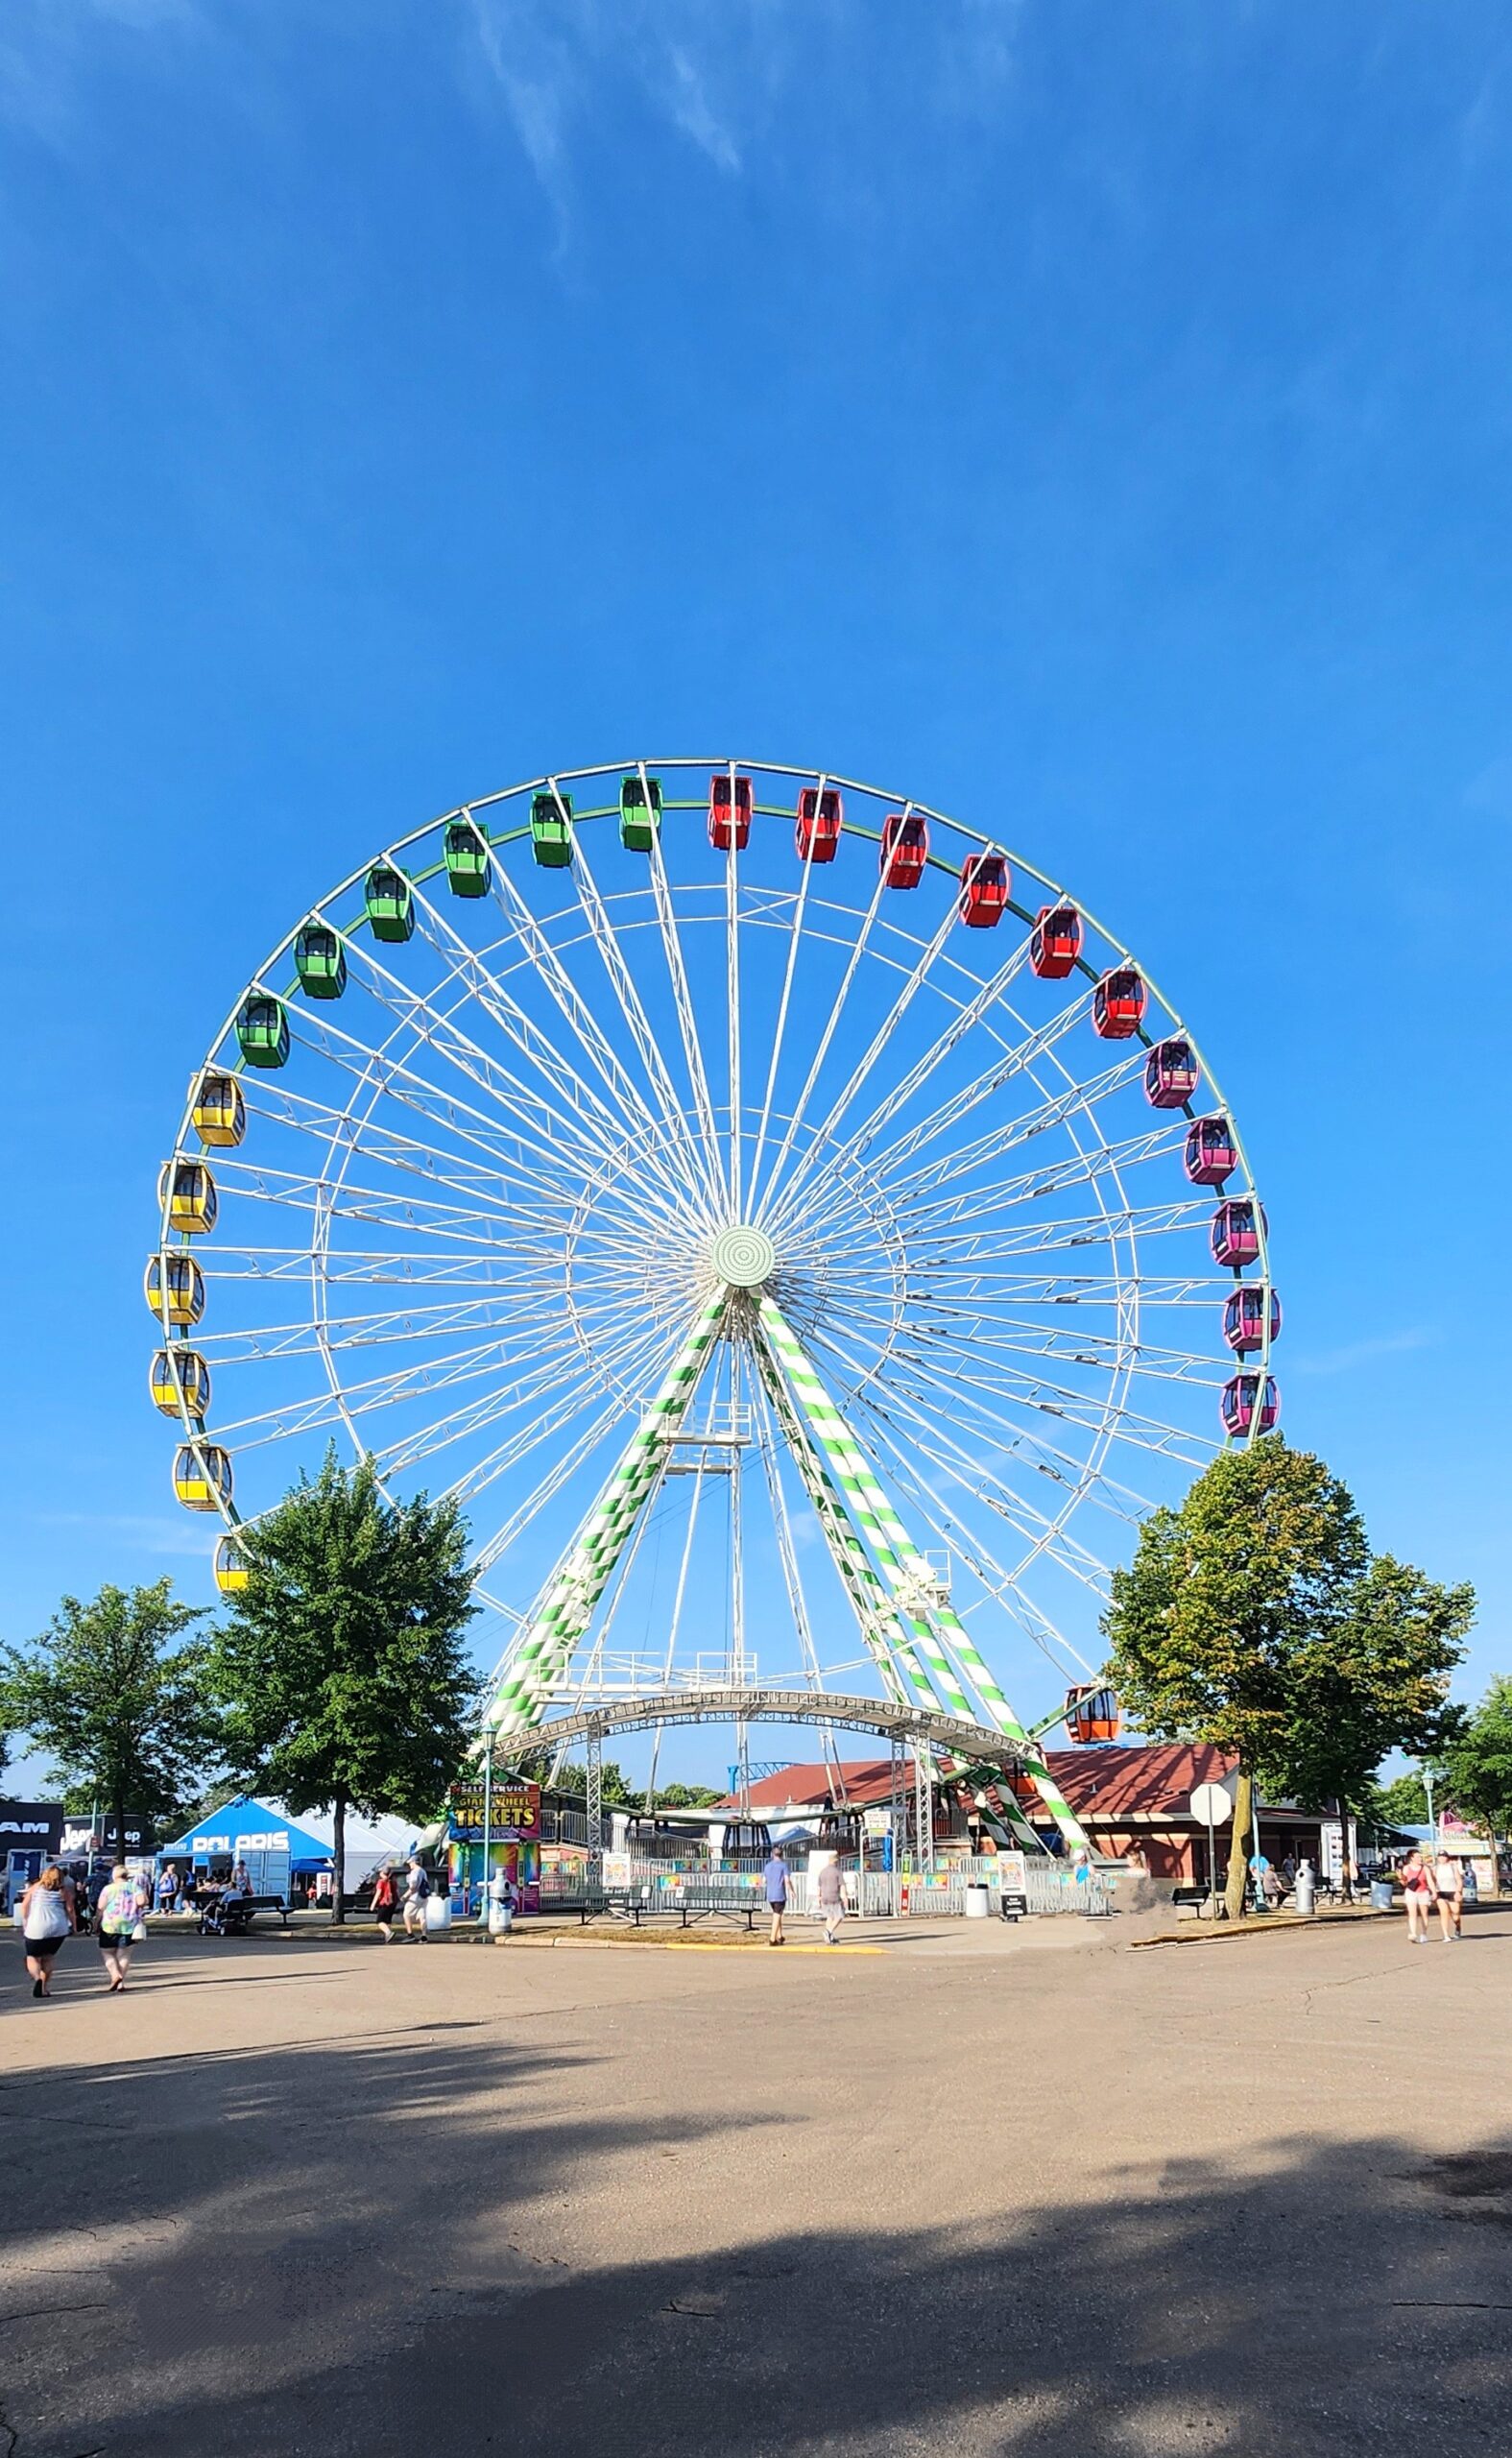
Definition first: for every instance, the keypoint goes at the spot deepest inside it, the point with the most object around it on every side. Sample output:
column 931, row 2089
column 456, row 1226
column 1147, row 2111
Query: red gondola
column 1239, row 1401
column 1234, row 1236
column 985, row 882
column 1170, row 1074
column 720, row 800
column 820, row 816
column 1056, row 942
column 1118, row 1004
column 905, row 848
column 1209, row 1156
column 1092, row 1713
column 1244, row 1319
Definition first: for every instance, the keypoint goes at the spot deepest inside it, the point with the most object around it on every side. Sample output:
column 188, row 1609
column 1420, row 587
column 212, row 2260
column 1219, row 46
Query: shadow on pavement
column 328, row 2248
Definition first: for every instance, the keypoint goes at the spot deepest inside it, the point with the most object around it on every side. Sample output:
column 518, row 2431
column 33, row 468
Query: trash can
column 1304, row 1894
column 1380, row 1895
column 979, row 1902
column 438, row 1913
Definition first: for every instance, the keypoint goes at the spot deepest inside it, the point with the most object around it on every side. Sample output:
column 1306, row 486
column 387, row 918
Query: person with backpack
column 383, row 1904
column 118, row 1914
column 417, row 1887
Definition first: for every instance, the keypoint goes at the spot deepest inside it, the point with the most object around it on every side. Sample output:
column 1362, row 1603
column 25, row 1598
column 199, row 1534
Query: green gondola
column 321, row 962
column 639, row 812
column 262, row 1028
column 467, row 859
column 391, row 907
column 551, row 829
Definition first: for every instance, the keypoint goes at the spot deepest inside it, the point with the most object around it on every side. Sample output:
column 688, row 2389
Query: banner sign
column 514, row 1809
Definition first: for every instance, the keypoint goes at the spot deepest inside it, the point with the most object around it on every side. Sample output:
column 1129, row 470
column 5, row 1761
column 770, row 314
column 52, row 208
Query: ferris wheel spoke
column 952, row 1210
column 836, row 1009
column 913, row 1191
column 795, row 933
column 559, row 1412
column 897, row 1099
column 1015, row 1240
column 367, row 1400
column 600, row 1124
column 377, row 1268
column 570, row 1005
column 704, row 1187
column 732, row 1003
column 377, row 1207
column 551, row 1482
column 1010, row 1061
column 1072, row 1407
column 683, row 1000
column 463, row 1125
column 948, row 1040
column 267, row 1343
column 385, row 1148
column 979, row 1333
column 551, row 1134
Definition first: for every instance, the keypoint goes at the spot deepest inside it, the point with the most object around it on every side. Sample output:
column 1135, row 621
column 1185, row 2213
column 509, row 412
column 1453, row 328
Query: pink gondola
column 1211, row 1156
column 1248, row 1409
column 1235, row 1234
column 1244, row 1319
column 1171, row 1074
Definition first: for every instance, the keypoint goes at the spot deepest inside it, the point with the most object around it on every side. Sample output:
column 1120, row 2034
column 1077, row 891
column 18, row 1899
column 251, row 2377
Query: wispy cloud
column 47, row 46
column 172, row 1539
column 1341, row 1361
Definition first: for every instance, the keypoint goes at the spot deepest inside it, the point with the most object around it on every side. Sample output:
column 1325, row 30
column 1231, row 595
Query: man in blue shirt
column 775, row 1879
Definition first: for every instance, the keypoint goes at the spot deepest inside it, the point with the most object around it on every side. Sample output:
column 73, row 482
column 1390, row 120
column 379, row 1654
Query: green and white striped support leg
column 567, row 1608
column 897, row 1559
column 901, row 1670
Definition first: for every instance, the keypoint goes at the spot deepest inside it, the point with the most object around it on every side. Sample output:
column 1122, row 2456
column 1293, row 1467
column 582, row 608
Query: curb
column 1229, row 1932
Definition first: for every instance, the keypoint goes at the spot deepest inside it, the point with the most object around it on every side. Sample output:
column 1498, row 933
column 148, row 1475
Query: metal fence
column 1049, row 1887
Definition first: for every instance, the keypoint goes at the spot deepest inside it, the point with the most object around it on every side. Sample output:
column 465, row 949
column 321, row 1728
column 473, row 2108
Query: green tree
column 1477, row 1762
column 117, row 1697
column 1255, row 1619
column 340, row 1663
column 687, row 1796
column 1402, row 1802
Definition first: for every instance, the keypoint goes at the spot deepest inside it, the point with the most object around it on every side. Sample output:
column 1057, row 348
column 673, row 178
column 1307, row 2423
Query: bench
column 614, row 1902
column 233, row 1919
column 695, row 1904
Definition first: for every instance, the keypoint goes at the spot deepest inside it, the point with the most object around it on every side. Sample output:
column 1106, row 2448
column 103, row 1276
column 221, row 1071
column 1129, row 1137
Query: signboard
column 1013, row 1877
column 616, row 1869
column 514, row 1809
column 80, row 1836
column 30, row 1825
column 877, row 1822
column 1211, row 1804
column 1331, row 1838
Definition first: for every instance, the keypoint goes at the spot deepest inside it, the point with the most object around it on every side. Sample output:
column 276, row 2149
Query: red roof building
column 1133, row 1798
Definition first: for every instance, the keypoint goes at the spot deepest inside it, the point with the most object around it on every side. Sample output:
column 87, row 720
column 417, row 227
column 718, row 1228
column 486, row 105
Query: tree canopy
column 341, row 1664
column 1255, row 1618
column 125, row 1713
column 1476, row 1762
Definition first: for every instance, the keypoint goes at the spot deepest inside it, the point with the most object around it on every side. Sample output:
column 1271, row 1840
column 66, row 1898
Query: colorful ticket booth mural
column 512, row 1842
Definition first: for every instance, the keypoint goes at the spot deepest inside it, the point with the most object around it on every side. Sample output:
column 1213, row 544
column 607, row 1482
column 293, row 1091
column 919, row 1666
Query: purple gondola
column 1244, row 1319
column 1211, row 1155
column 1246, row 1408
column 1235, row 1234
column 1171, row 1074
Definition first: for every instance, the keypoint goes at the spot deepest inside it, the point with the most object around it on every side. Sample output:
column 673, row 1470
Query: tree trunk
column 118, row 1815
column 339, row 1856
column 1234, row 1892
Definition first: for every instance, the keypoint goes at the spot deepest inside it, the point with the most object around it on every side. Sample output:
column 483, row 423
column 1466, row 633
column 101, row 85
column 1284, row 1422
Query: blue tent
column 247, row 1824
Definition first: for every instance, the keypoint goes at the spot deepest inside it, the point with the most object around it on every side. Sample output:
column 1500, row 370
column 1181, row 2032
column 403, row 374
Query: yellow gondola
column 180, row 1378
column 175, row 1284
column 218, row 1109
column 202, row 1475
column 188, row 1190
column 231, row 1570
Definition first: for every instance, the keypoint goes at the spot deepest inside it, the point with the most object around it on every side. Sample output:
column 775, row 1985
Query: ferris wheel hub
column 743, row 1258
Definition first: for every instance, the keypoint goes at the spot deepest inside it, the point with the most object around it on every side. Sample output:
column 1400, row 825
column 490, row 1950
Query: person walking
column 117, row 1915
column 831, row 1901
column 1417, row 1894
column 47, row 1919
column 383, row 1904
column 1448, row 1888
column 417, row 1887
column 774, row 1878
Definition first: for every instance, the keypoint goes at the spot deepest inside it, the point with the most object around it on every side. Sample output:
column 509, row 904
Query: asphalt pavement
column 1038, row 2192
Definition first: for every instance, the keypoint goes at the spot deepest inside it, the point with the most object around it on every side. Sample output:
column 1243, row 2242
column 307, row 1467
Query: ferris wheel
column 802, row 1240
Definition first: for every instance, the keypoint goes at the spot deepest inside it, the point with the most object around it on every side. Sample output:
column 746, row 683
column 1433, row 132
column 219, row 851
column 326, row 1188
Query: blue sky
column 1092, row 420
